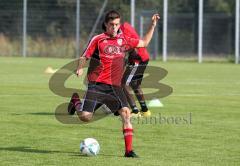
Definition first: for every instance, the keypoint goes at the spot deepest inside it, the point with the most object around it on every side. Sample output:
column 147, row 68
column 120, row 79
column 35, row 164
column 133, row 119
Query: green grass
column 30, row 134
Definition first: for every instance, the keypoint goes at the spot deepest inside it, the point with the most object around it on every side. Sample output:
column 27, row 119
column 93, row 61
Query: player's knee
column 125, row 112
column 85, row 116
column 128, row 113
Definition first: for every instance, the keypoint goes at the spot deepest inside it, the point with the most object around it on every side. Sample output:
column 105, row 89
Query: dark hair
column 103, row 27
column 110, row 15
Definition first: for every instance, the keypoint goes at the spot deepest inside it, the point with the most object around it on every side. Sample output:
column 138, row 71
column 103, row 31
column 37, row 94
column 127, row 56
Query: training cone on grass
column 50, row 70
column 155, row 103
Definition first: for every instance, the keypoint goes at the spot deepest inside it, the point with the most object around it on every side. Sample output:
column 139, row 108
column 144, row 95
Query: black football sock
column 143, row 106
column 134, row 109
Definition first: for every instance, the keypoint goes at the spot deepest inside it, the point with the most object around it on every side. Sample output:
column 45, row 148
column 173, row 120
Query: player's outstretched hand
column 79, row 72
column 155, row 18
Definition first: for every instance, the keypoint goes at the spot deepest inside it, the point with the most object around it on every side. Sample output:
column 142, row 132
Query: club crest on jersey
column 119, row 41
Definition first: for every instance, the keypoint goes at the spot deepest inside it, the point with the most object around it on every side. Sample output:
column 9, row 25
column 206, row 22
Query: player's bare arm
column 148, row 36
column 81, row 63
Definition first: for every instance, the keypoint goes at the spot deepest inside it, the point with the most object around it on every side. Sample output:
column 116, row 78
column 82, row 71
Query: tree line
column 57, row 17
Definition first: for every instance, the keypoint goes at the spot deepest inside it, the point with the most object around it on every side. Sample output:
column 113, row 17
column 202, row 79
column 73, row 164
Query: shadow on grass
column 26, row 149
column 100, row 155
column 110, row 155
column 35, row 113
column 41, row 113
column 31, row 150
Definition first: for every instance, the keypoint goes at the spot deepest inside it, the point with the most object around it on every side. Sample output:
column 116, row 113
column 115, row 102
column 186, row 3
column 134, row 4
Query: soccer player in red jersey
column 133, row 75
column 111, row 47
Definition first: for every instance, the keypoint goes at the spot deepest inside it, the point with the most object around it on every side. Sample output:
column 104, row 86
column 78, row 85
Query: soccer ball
column 89, row 147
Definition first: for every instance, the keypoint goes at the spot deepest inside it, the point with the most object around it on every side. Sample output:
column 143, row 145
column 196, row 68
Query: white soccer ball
column 89, row 147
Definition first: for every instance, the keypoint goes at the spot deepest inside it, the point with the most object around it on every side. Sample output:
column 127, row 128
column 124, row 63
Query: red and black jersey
column 139, row 54
column 111, row 51
column 94, row 68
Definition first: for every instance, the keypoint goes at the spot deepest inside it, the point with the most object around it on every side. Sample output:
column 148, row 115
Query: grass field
column 209, row 92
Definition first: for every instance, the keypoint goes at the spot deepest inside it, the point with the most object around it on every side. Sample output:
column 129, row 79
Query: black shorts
column 99, row 93
column 133, row 74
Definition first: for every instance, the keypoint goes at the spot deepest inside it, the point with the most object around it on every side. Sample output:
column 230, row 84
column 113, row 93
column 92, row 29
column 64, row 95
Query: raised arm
column 148, row 36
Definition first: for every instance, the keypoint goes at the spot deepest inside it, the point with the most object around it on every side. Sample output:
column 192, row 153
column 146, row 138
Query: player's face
column 112, row 27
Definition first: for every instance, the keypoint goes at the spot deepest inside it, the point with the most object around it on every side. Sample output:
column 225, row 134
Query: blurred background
column 62, row 28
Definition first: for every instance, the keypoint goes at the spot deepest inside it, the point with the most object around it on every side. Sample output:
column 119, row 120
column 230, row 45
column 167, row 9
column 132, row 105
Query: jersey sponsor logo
column 112, row 49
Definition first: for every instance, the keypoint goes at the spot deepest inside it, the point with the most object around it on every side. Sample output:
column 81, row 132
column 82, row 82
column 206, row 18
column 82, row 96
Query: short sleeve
column 92, row 46
column 133, row 42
